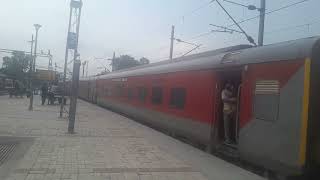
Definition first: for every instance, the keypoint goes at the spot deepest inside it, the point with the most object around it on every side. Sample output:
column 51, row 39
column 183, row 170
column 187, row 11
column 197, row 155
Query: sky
column 141, row 28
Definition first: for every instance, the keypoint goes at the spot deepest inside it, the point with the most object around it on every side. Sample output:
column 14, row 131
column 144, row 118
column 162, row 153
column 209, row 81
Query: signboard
column 72, row 40
column 45, row 75
column 76, row 4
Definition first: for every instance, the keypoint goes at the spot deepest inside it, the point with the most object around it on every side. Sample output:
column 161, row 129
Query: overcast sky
column 141, row 28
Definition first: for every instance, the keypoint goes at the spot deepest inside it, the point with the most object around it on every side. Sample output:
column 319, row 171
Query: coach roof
column 235, row 55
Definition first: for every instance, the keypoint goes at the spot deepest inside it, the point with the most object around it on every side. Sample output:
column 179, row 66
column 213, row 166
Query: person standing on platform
column 44, row 93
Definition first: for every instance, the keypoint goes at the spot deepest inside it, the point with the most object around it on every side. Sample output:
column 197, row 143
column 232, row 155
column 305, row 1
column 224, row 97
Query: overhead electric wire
column 239, row 22
column 235, row 3
column 288, row 28
column 270, row 12
column 225, row 28
column 98, row 59
column 249, row 38
column 294, row 26
column 284, row 29
column 197, row 9
column 198, row 46
column 249, row 19
column 186, row 15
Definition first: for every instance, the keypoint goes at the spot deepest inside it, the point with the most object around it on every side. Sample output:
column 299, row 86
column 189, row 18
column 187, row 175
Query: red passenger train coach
column 277, row 86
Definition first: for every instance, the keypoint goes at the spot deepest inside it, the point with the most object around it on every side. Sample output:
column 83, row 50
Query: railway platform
column 34, row 145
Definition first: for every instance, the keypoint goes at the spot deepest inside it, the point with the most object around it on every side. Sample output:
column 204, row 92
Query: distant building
column 45, row 75
column 5, row 82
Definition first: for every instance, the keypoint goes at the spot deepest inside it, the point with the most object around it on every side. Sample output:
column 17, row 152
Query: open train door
column 233, row 76
column 215, row 123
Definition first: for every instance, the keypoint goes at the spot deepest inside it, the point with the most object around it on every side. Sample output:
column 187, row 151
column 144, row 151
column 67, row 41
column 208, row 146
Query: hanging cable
column 250, row 19
column 249, row 38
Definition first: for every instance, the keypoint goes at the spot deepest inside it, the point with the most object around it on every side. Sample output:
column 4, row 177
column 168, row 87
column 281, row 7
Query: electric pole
column 83, row 66
column 55, row 72
column 65, row 65
column 171, row 42
column 37, row 27
column 87, row 68
column 113, row 61
column 50, row 61
column 262, row 11
column 30, row 73
column 261, row 22
column 72, row 44
column 74, row 95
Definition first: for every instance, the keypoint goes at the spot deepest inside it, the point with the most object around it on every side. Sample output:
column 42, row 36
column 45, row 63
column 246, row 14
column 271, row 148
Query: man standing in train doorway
column 229, row 108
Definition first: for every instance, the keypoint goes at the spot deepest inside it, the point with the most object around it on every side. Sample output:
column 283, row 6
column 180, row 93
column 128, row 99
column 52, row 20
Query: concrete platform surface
column 106, row 146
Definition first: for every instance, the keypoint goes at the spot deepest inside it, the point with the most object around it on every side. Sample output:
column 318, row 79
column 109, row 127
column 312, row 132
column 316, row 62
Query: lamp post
column 30, row 72
column 37, row 27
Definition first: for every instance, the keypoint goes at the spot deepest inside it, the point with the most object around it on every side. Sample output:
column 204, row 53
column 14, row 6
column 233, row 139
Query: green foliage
column 126, row 61
column 17, row 65
column 144, row 60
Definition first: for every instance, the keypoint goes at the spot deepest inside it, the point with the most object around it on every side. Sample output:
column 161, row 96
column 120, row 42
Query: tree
column 124, row 61
column 17, row 65
column 144, row 60
column 127, row 61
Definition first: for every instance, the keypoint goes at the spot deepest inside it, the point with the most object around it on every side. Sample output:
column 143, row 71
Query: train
column 276, row 124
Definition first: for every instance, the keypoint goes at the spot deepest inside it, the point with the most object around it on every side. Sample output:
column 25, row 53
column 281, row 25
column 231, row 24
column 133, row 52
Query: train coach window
column 119, row 90
column 106, row 91
column 142, row 93
column 178, row 98
column 130, row 93
column 156, row 95
column 266, row 100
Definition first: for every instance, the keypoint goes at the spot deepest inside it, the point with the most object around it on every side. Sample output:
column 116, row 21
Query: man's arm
column 227, row 97
column 230, row 99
